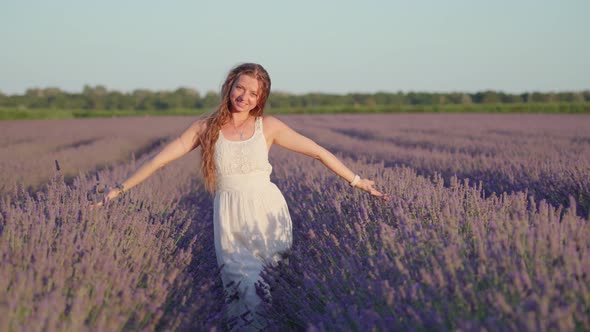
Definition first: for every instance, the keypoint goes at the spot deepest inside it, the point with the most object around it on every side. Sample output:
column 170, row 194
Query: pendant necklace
column 240, row 132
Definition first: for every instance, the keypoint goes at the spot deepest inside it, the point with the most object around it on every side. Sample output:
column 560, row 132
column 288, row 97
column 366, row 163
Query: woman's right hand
column 368, row 186
column 182, row 145
column 113, row 193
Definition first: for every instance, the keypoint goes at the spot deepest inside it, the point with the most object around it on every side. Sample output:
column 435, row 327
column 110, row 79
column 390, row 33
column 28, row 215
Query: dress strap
column 258, row 124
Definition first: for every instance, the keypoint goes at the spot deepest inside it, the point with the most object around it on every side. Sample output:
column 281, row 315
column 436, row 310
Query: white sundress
column 252, row 224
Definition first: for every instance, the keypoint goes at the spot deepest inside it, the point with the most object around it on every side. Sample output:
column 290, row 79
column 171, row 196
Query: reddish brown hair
column 222, row 115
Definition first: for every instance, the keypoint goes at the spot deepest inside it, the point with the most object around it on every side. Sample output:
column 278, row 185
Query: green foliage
column 46, row 114
column 143, row 100
column 98, row 101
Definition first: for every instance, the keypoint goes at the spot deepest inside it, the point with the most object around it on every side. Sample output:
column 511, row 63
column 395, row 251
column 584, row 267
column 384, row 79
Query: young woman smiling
column 252, row 225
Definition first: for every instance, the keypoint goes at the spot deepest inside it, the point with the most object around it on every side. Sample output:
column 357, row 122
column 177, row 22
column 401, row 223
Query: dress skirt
column 252, row 226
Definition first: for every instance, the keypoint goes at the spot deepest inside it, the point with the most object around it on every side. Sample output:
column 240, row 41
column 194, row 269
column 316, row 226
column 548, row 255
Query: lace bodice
column 242, row 157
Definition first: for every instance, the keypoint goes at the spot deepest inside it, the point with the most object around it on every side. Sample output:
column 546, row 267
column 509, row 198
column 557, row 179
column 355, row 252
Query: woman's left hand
column 367, row 185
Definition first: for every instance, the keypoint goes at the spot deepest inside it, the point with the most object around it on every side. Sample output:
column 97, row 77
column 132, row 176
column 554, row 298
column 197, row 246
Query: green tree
column 95, row 96
column 210, row 100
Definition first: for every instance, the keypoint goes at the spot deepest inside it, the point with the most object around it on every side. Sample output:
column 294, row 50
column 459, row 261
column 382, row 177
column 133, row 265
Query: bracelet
column 120, row 187
column 355, row 180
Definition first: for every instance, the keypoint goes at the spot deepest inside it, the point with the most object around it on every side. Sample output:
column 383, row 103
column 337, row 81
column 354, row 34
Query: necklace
column 242, row 126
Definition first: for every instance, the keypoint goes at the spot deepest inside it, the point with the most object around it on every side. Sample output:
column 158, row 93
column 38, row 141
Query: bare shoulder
column 273, row 126
column 190, row 137
column 200, row 124
column 272, row 123
column 197, row 127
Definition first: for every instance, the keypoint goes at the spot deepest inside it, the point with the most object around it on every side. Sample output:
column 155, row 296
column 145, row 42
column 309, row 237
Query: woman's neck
column 240, row 117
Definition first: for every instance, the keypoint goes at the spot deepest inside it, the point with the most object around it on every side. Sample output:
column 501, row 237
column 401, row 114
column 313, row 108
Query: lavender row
column 443, row 254
column 28, row 149
column 547, row 156
column 438, row 256
column 143, row 262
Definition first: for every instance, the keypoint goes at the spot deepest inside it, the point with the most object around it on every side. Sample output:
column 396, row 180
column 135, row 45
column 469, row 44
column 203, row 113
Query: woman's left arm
column 281, row 134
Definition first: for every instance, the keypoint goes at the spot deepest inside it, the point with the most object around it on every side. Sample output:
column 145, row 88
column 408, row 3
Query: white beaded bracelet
column 355, row 180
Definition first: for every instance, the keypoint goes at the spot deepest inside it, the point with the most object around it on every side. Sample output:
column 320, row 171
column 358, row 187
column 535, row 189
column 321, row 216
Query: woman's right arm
column 182, row 145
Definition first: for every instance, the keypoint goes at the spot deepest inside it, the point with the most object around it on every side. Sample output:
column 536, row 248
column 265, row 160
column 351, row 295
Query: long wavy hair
column 222, row 115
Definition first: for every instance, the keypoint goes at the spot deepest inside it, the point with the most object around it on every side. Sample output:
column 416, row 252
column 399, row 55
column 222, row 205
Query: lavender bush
column 547, row 156
column 487, row 228
column 134, row 264
column 439, row 256
column 29, row 148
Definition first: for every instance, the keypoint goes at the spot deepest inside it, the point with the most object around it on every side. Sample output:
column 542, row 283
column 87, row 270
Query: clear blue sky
column 306, row 45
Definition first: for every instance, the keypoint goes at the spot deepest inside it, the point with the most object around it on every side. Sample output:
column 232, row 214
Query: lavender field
column 487, row 227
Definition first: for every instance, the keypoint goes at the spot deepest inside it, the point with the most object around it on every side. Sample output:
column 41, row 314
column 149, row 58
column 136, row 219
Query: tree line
column 100, row 98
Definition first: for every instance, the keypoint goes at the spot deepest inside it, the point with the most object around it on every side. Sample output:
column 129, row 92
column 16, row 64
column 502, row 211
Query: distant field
column 23, row 114
column 488, row 226
column 28, row 149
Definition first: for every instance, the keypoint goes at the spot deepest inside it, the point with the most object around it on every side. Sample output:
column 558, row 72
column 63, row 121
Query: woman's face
column 244, row 94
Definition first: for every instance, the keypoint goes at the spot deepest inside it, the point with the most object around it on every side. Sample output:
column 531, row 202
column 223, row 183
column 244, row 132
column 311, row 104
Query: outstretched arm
column 284, row 136
column 182, row 145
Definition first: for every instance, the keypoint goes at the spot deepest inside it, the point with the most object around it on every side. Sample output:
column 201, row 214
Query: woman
column 252, row 225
